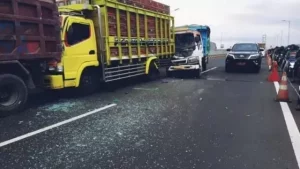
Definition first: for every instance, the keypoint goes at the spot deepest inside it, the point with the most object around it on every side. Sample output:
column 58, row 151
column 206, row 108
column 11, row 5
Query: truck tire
column 198, row 72
column 13, row 94
column 89, row 82
column 153, row 72
column 204, row 65
column 168, row 73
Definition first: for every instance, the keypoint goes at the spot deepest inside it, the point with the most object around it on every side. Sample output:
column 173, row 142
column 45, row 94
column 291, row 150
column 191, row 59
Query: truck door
column 80, row 45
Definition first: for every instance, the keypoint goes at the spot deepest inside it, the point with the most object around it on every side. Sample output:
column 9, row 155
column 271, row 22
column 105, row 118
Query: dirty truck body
column 106, row 40
column 30, row 38
column 188, row 53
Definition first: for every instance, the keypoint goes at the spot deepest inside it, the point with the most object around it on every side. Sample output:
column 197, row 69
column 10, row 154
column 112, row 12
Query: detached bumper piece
column 183, row 67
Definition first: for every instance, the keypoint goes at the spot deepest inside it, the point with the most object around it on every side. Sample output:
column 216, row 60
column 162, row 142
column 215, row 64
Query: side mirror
column 228, row 50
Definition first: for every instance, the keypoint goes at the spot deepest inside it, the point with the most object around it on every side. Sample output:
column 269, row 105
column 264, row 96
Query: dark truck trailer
column 29, row 39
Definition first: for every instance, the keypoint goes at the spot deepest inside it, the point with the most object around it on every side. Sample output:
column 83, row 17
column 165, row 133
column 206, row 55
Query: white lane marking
column 147, row 89
column 209, row 70
column 54, row 125
column 291, row 126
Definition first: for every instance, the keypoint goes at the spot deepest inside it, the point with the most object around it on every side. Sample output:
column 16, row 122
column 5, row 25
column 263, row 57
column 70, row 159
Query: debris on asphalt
column 147, row 89
column 226, row 108
column 164, row 81
column 200, row 91
column 200, row 99
column 20, row 122
column 140, row 143
column 61, row 106
column 38, row 113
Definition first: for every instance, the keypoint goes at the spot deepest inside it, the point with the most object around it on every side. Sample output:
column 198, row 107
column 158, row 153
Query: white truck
column 188, row 54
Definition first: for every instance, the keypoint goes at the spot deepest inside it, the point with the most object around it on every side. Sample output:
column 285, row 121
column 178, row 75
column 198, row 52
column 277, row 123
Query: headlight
column 255, row 56
column 178, row 57
column 193, row 59
column 54, row 66
column 230, row 55
column 292, row 64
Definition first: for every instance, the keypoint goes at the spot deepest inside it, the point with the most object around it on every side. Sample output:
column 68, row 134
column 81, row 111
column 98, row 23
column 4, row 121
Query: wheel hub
column 8, row 95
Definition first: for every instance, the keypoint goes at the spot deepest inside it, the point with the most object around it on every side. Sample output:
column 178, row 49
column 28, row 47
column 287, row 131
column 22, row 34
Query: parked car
column 288, row 56
column 296, row 74
column 277, row 55
column 244, row 55
column 290, row 63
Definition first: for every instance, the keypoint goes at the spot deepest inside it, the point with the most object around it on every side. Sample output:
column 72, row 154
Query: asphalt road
column 222, row 121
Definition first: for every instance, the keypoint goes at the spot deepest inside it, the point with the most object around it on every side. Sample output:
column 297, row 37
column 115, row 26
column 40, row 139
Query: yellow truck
column 79, row 44
column 107, row 40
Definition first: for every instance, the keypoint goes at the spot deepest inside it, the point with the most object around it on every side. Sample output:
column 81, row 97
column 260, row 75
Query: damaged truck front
column 188, row 54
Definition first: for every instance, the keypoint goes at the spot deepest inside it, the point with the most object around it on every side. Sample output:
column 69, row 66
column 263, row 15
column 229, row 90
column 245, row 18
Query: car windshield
column 244, row 47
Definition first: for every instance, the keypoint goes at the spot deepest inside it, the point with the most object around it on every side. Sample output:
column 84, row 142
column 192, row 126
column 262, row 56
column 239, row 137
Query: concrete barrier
column 217, row 53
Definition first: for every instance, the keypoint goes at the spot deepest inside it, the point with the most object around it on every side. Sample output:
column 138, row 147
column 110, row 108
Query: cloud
column 241, row 21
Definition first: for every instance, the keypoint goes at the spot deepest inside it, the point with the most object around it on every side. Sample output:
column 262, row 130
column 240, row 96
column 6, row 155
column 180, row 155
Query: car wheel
column 228, row 69
column 257, row 69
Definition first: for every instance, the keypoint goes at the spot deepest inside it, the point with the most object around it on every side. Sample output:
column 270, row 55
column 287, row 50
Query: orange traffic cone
column 274, row 76
column 283, row 93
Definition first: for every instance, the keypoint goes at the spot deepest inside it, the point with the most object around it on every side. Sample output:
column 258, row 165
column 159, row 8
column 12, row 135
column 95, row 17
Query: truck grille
column 177, row 63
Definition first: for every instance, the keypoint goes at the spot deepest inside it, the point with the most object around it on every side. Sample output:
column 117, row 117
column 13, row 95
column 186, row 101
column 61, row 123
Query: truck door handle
column 92, row 52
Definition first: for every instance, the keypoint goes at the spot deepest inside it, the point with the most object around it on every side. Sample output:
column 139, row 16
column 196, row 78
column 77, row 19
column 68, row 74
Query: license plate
column 241, row 63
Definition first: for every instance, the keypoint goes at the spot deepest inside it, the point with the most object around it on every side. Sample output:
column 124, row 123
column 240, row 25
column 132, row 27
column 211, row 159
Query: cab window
column 77, row 33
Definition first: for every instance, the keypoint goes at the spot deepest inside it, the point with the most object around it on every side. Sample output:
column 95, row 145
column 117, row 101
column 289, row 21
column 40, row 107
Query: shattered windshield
column 184, row 40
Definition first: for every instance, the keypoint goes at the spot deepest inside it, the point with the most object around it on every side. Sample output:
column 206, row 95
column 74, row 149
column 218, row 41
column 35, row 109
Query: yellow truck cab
column 107, row 41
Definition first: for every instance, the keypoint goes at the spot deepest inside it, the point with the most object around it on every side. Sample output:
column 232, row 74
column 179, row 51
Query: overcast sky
column 241, row 20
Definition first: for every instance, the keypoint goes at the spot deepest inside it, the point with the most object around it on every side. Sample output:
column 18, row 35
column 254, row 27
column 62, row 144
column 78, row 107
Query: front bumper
column 243, row 62
column 183, row 67
column 53, row 82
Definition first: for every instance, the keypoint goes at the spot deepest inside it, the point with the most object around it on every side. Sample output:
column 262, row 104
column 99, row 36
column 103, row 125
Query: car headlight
column 230, row 55
column 193, row 59
column 255, row 56
column 292, row 64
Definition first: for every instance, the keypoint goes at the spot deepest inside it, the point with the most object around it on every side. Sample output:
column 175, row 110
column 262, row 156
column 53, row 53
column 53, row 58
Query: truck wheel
column 198, row 72
column 89, row 82
column 204, row 65
column 153, row 72
column 169, row 73
column 13, row 94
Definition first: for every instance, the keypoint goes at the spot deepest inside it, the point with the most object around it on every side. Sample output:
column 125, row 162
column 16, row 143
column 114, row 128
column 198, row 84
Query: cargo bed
column 29, row 29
